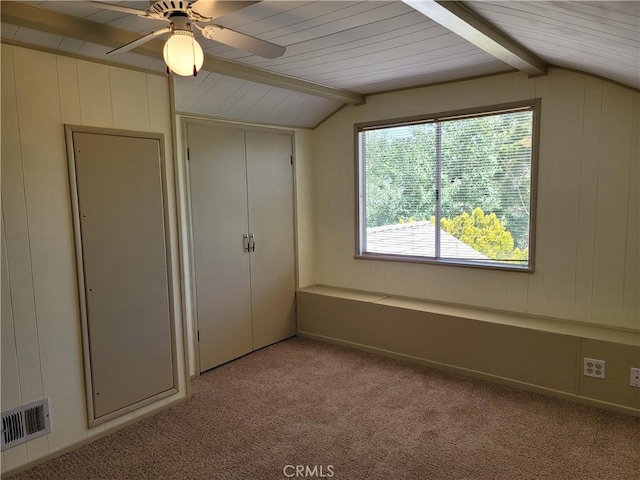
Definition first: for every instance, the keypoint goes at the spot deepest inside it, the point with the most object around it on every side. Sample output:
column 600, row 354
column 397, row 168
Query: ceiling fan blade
column 243, row 42
column 136, row 43
column 116, row 8
column 218, row 8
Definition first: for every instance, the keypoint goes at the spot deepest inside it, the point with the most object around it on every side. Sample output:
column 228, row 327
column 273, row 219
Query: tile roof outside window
column 418, row 239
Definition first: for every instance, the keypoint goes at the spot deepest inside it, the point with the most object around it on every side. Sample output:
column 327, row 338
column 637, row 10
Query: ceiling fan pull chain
column 193, row 57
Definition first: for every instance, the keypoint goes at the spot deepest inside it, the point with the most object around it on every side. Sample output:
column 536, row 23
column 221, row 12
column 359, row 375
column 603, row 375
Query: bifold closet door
column 270, row 192
column 241, row 185
column 217, row 174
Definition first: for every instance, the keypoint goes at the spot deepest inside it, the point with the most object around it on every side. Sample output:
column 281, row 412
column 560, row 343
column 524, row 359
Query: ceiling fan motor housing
column 180, row 21
column 169, row 9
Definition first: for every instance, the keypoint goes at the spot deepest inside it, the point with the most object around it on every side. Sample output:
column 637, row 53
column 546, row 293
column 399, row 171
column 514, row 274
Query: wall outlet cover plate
column 594, row 368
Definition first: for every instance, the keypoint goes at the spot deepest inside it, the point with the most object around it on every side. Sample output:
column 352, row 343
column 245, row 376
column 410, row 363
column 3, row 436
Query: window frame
column 360, row 188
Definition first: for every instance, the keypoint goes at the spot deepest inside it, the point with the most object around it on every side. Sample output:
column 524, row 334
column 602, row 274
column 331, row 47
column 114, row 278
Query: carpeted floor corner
column 350, row 415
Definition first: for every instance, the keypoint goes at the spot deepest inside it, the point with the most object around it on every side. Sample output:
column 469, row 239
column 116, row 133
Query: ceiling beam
column 456, row 17
column 24, row 15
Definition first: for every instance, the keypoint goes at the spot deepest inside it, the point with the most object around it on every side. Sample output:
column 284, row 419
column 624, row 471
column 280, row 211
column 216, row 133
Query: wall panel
column 41, row 92
column 587, row 200
column 160, row 120
column 511, row 88
column 586, row 265
column 129, row 99
column 517, row 290
column 619, row 358
column 564, row 116
column 94, row 89
column 631, row 296
column 535, row 283
column 612, row 204
column 159, row 113
column 305, row 209
column 10, row 376
column 15, row 217
column 15, row 457
column 68, row 90
column 333, row 162
column 51, row 238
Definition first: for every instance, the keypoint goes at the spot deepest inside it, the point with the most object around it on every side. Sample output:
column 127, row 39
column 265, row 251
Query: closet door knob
column 245, row 243
column 252, row 242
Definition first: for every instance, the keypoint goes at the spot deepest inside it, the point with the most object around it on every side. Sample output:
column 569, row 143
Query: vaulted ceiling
column 340, row 51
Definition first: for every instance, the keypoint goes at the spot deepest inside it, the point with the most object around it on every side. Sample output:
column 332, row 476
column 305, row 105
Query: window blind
column 456, row 189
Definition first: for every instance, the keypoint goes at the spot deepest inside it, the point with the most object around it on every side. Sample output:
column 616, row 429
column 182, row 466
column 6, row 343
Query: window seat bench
column 539, row 354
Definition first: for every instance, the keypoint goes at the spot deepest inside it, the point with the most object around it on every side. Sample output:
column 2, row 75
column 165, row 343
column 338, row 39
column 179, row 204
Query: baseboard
column 476, row 374
column 86, row 441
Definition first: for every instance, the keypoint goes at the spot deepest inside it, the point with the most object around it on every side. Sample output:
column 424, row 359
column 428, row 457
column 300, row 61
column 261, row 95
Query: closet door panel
column 124, row 264
column 270, row 194
column 217, row 172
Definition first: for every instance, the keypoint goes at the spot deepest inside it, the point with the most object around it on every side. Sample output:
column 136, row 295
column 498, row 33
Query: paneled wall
column 41, row 346
column 587, row 255
column 305, row 207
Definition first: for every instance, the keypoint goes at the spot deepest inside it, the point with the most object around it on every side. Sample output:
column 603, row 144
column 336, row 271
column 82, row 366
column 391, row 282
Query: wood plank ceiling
column 363, row 47
column 602, row 38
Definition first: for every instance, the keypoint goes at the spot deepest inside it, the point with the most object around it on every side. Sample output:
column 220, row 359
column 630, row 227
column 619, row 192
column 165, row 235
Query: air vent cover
column 25, row 423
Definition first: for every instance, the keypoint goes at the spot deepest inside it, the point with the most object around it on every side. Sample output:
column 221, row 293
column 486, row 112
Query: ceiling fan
column 182, row 52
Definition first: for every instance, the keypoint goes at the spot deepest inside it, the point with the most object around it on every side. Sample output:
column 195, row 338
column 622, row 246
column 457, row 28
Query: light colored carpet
column 306, row 403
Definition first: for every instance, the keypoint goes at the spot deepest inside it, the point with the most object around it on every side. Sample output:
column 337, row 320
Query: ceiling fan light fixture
column 182, row 53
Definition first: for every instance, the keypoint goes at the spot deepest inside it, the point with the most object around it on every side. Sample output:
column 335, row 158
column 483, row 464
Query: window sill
column 444, row 262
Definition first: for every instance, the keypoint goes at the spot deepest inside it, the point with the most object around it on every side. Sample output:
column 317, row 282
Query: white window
column 453, row 188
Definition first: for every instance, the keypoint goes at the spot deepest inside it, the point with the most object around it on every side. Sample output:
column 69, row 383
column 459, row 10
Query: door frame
column 187, row 228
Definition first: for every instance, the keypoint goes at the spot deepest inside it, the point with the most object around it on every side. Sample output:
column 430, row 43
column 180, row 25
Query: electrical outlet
column 594, row 368
column 634, row 380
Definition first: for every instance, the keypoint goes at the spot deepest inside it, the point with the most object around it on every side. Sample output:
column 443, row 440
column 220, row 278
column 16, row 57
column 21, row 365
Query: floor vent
column 25, row 423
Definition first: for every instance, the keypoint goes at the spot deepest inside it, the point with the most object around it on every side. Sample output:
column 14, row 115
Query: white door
column 217, row 173
column 270, row 190
column 123, row 266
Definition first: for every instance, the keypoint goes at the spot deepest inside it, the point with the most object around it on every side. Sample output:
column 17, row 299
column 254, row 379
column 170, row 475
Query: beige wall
column 587, row 256
column 41, row 346
column 305, row 208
